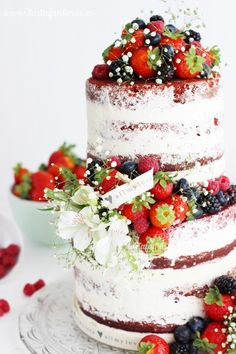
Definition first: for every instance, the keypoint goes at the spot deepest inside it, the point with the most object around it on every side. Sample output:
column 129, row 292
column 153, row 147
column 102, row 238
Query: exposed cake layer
column 180, row 122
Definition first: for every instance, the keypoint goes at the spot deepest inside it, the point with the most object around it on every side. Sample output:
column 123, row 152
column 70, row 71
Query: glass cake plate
column 47, row 326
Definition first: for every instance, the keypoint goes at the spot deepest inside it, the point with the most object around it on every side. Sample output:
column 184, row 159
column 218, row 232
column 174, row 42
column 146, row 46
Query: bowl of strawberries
column 27, row 195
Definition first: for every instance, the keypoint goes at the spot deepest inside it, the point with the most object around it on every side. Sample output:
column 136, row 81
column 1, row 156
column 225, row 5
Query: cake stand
column 47, row 326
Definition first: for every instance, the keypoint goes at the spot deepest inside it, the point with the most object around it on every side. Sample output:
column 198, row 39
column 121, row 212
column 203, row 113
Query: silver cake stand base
column 47, row 326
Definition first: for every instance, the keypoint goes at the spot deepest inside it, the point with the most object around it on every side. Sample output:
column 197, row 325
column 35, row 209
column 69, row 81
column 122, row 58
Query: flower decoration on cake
column 157, row 51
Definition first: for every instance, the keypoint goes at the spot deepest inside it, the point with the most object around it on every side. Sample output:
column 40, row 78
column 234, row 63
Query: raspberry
column 141, row 225
column 2, row 253
column 2, row 271
column 114, row 162
column 146, row 163
column 13, row 250
column 101, row 72
column 29, row 289
column 39, row 284
column 224, row 183
column 8, row 261
column 156, row 26
column 4, row 306
column 213, row 186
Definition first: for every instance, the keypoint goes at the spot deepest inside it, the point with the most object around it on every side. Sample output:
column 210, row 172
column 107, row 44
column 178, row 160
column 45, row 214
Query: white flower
column 85, row 195
column 108, row 243
column 78, row 226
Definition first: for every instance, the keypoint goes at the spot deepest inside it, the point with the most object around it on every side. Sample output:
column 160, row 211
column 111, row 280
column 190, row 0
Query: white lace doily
column 47, row 326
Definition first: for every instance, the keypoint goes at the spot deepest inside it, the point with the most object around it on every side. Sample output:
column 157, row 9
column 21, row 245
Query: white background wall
column 47, row 50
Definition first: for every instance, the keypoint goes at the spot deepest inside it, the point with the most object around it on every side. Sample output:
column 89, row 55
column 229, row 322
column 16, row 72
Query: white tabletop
column 36, row 262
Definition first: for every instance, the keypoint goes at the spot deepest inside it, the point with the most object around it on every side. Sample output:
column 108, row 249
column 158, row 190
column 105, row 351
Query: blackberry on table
column 192, row 36
column 209, row 203
column 226, row 284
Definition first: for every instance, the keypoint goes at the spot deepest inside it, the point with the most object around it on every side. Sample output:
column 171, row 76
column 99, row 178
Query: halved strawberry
column 154, row 241
column 143, row 64
column 217, row 306
column 153, row 344
column 163, row 186
column 188, row 64
column 162, row 215
column 19, row 172
column 180, row 207
column 213, row 339
column 111, row 181
column 132, row 213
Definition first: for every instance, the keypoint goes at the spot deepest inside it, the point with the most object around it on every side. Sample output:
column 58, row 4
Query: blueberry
column 171, row 28
column 196, row 324
column 167, row 52
column 188, row 193
column 198, row 212
column 222, row 198
column 156, row 18
column 183, row 334
column 192, row 350
column 141, row 24
column 206, row 71
column 128, row 167
column 181, row 186
column 153, row 38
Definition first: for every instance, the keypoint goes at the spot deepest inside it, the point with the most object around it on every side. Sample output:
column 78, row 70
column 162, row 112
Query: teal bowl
column 35, row 224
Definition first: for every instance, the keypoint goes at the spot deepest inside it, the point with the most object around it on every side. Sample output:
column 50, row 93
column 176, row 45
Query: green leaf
column 203, row 344
column 163, row 176
column 72, row 182
column 17, row 168
column 165, row 214
column 194, row 62
column 68, row 150
column 215, row 52
column 57, row 195
column 173, row 35
column 145, row 347
column 163, row 183
column 153, row 57
column 127, row 35
column 42, row 167
column 155, row 246
column 213, row 296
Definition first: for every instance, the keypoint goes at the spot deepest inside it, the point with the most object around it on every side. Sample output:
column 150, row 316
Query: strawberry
column 134, row 40
column 188, row 64
column 19, row 172
column 79, row 171
column 112, row 53
column 162, row 215
column 180, row 207
column 64, row 150
column 114, row 162
column 23, row 189
column 131, row 212
column 177, row 44
column 213, row 339
column 216, row 305
column 59, row 179
column 163, row 186
column 154, row 241
column 156, row 26
column 40, row 181
column 224, row 183
column 101, row 72
column 142, row 64
column 153, row 344
column 146, row 163
column 66, row 161
column 110, row 182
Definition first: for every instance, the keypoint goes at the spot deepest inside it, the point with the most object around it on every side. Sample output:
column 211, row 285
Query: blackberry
column 198, row 212
column 209, row 203
column 206, row 71
column 226, row 284
column 167, row 52
column 156, row 18
column 232, row 195
column 181, row 186
column 171, row 28
column 153, row 38
column 179, row 348
column 193, row 350
column 223, row 198
column 191, row 36
column 165, row 72
column 141, row 24
column 120, row 70
column 183, row 334
column 91, row 168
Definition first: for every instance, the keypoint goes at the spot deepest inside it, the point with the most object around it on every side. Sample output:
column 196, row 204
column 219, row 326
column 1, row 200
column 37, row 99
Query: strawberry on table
column 213, row 339
column 154, row 241
column 41, row 180
column 217, row 306
column 131, row 212
column 153, row 344
column 163, row 186
column 19, row 173
column 188, row 64
column 162, row 215
column 143, row 62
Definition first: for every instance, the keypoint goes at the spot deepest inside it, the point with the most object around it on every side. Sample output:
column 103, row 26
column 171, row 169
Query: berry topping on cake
column 153, row 38
column 134, row 41
column 209, row 203
column 213, row 339
column 188, row 64
column 101, row 72
column 154, row 241
column 141, row 225
column 138, row 23
column 179, row 348
column 224, row 183
column 213, row 186
column 180, row 207
column 156, row 18
column 196, row 324
column 133, row 211
column 192, row 36
column 129, row 168
column 183, row 334
column 112, row 53
column 226, row 284
column 153, row 344
column 163, row 186
column 147, row 163
column 156, row 26
column 216, row 305
column 162, row 215
column 142, row 62
column 110, row 181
